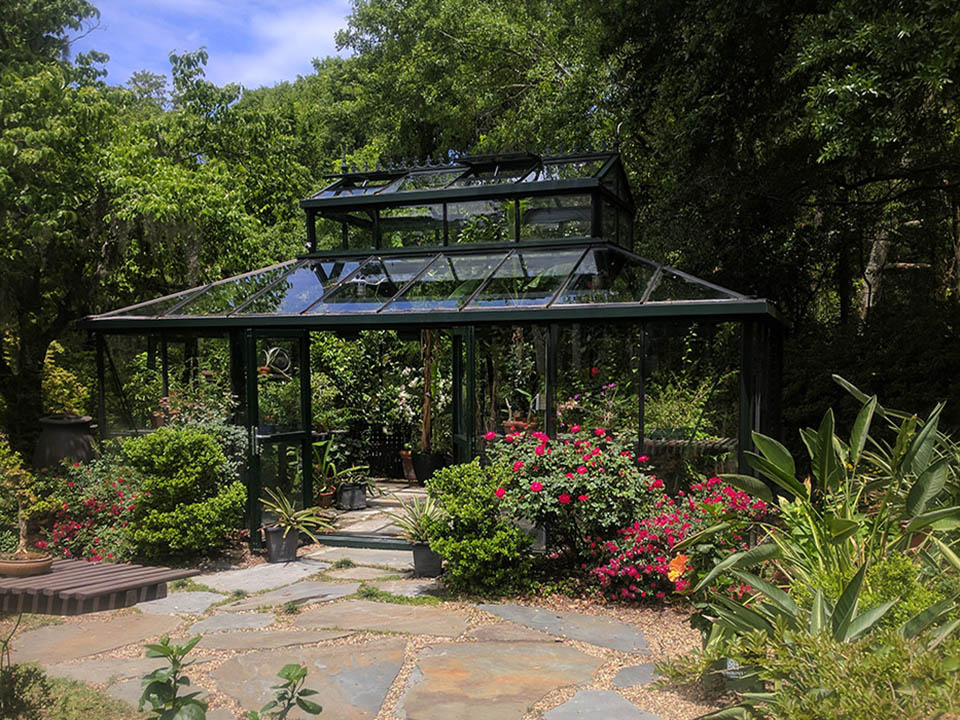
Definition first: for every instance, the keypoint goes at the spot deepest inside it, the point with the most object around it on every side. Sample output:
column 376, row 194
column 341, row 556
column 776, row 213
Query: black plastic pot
column 426, row 464
column 426, row 563
column 352, row 496
column 281, row 548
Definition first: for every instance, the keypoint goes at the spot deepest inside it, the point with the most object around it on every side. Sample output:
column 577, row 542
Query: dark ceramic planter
column 426, row 464
column 352, row 497
column 426, row 563
column 64, row 437
column 280, row 548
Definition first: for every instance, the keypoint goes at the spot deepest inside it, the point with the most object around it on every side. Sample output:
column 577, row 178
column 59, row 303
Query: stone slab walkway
column 435, row 661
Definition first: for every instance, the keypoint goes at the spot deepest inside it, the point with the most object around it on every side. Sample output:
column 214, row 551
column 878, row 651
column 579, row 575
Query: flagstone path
column 368, row 660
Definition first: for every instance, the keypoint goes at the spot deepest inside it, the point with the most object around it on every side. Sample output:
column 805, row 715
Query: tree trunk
column 22, row 391
column 873, row 274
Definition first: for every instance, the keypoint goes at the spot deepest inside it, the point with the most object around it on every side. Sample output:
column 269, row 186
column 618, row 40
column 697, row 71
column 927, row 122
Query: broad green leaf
column 942, row 519
column 863, row 622
column 191, row 643
column 750, row 485
column 927, row 487
column 776, row 453
column 746, row 616
column 309, row 706
column 768, row 469
column 861, row 430
column 841, row 528
column 904, row 435
column 292, row 672
column 819, row 613
column 942, row 633
column 948, row 554
column 697, row 537
column 775, row 594
column 919, row 622
column 809, row 438
column 825, row 461
column 193, row 710
column 918, row 454
column 744, row 558
column 846, row 605
column 735, row 712
column 851, row 388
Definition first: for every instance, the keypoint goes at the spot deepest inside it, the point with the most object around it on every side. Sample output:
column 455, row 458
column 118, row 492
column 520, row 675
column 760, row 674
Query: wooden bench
column 74, row 587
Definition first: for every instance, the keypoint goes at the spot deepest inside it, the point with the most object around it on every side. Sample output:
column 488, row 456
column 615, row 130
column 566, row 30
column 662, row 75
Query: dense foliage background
column 807, row 152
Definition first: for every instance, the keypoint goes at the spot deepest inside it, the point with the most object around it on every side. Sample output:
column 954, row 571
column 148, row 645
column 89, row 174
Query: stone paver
column 61, row 643
column 360, row 573
column 129, row 691
column 104, row 670
column 490, row 680
column 635, row 675
column 352, row 681
column 298, row 593
column 268, row 640
column 589, row 704
column 413, row 587
column 237, row 621
column 181, row 603
column 367, row 615
column 587, row 628
column 509, row 632
column 262, row 577
column 394, row 559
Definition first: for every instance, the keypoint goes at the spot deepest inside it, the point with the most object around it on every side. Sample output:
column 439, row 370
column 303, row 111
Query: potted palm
column 329, row 477
column 417, row 521
column 283, row 534
column 17, row 484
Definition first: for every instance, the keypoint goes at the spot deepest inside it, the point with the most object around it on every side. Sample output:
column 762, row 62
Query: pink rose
column 642, row 458
column 500, row 492
column 541, row 449
column 564, row 499
column 490, row 435
column 517, row 465
column 575, row 429
column 581, row 470
column 583, row 498
column 599, row 431
column 536, row 486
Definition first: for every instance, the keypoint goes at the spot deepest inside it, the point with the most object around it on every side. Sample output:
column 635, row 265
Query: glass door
column 278, row 419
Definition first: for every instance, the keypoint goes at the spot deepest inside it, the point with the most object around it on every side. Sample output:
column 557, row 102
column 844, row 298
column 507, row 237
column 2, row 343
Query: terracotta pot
column 325, row 497
column 515, row 426
column 406, row 457
column 31, row 564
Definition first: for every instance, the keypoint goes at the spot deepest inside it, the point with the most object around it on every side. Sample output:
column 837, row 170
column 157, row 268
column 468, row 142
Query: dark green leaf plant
column 289, row 694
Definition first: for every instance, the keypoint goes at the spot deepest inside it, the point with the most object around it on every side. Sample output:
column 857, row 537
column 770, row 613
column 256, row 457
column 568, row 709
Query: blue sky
column 253, row 43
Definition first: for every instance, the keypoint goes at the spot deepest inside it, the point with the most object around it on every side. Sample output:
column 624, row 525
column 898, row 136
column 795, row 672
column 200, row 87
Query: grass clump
column 369, row 592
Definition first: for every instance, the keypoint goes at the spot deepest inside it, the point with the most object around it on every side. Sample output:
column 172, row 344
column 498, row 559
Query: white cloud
column 253, row 43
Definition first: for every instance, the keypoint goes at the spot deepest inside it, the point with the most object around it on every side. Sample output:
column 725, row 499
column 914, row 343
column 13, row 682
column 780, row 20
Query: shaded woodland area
column 805, row 152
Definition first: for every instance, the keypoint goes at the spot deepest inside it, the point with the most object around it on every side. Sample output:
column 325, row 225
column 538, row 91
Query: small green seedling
column 161, row 686
column 289, row 694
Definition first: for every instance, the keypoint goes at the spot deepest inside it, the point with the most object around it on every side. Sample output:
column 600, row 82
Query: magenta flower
column 500, row 492
column 490, row 435
column 581, row 470
column 564, row 499
column 517, row 465
column 536, row 486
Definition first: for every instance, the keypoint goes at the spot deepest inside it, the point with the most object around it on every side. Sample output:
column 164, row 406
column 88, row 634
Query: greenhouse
column 542, row 243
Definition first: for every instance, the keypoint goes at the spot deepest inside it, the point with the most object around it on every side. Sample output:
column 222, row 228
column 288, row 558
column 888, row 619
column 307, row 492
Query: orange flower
column 677, row 567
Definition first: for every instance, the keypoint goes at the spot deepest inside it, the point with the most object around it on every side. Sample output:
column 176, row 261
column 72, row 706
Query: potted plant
column 328, row 476
column 354, row 487
column 17, row 484
column 426, row 462
column 406, row 459
column 283, row 534
column 417, row 522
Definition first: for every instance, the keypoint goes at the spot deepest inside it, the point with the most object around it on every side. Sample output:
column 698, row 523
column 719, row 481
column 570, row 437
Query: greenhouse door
column 278, row 419
column 464, row 394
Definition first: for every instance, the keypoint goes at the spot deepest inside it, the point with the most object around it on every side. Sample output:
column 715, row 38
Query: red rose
column 564, row 499
column 500, row 492
column 536, row 486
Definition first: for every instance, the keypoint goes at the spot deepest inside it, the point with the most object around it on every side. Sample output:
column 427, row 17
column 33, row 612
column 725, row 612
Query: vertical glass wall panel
column 447, row 284
column 411, row 226
column 609, row 221
column 672, row 287
column 527, row 278
column 223, row 297
column 278, row 385
column 431, row 179
column 301, row 288
column 481, row 221
column 555, row 216
column 350, row 230
column 626, row 229
column 377, row 281
column 607, row 276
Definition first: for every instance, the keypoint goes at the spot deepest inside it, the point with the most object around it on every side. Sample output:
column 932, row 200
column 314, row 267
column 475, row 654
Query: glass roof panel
column 222, row 297
column 155, row 307
column 447, row 284
column 430, row 179
column 302, row 287
column 565, row 170
column 496, row 175
column 672, row 287
column 377, row 280
column 607, row 275
column 527, row 278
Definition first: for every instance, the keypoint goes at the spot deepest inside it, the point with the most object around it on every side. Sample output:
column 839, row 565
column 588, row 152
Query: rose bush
column 584, row 484
column 643, row 560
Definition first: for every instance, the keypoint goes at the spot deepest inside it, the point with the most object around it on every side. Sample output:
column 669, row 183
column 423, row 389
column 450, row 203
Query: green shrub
column 812, row 676
column 484, row 554
column 189, row 500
